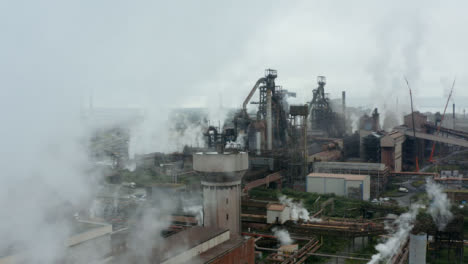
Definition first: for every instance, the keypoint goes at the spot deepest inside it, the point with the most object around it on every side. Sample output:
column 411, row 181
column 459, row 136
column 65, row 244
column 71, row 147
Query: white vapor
column 439, row 209
column 440, row 205
column 283, row 236
column 239, row 143
column 404, row 224
column 157, row 133
column 298, row 212
column 46, row 176
column 196, row 210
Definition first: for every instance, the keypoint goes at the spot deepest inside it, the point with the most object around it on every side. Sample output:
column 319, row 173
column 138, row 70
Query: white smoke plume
column 404, row 224
column 440, row 204
column 156, row 133
column 130, row 164
column 147, row 226
column 196, row 210
column 398, row 54
column 95, row 209
column 298, row 212
column 439, row 209
column 239, row 143
column 390, row 120
column 283, row 236
column 192, row 203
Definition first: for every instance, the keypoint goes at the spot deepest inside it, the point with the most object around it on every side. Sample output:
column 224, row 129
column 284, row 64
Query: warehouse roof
column 349, row 177
column 349, row 166
column 390, row 139
column 221, row 249
column 289, row 248
column 185, row 240
column 275, row 207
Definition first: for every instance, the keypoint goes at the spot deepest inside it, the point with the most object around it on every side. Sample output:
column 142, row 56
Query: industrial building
column 89, row 242
column 348, row 185
column 221, row 180
column 190, row 153
column 189, row 244
column 418, row 119
column 378, row 172
column 219, row 240
column 306, row 148
column 278, row 213
column 392, row 150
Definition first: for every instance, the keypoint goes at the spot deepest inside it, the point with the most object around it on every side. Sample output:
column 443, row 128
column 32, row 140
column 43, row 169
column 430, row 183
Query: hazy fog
column 56, row 55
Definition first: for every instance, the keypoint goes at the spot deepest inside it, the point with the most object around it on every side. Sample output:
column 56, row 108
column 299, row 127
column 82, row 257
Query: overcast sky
column 55, row 55
column 192, row 53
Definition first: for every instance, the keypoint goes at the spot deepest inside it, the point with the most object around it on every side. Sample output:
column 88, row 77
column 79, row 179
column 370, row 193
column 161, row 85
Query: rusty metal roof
column 276, row 207
column 185, row 240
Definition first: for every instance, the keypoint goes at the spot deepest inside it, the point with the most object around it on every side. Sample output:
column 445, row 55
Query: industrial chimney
column 417, row 248
column 453, row 116
column 343, row 105
column 221, row 182
column 343, row 101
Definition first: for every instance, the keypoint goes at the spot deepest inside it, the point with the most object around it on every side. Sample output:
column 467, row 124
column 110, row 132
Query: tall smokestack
column 453, row 116
column 258, row 140
column 343, row 101
column 269, row 121
column 221, row 182
column 343, row 105
column 417, row 248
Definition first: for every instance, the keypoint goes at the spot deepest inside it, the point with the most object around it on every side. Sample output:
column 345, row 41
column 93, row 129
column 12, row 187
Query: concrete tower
column 417, row 248
column 221, row 181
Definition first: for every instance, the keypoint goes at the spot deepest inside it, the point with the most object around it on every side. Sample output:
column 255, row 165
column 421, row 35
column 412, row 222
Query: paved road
column 405, row 199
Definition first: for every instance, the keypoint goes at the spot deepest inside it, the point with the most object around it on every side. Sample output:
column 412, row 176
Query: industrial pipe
column 269, row 122
column 343, row 103
column 252, row 92
column 258, row 136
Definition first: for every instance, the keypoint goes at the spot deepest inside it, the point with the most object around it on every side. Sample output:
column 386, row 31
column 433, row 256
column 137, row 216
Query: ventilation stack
column 343, row 110
column 453, row 116
column 269, row 122
column 221, row 182
column 417, row 248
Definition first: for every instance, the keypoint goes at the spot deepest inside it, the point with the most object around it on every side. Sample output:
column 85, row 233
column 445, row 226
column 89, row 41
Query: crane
column 414, row 128
column 441, row 120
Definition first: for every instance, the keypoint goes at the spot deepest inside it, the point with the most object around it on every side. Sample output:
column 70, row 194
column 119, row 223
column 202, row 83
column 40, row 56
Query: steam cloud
column 192, row 204
column 146, row 233
column 239, row 143
column 390, row 65
column 439, row 210
column 404, row 224
column 297, row 210
column 156, row 133
column 46, row 173
column 440, row 205
column 283, row 236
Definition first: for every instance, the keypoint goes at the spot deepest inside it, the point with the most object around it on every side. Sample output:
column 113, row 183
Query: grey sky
column 157, row 55
column 130, row 53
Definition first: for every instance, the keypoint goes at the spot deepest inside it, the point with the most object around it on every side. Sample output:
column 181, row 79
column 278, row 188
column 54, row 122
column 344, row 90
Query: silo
column 417, row 248
column 221, row 182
